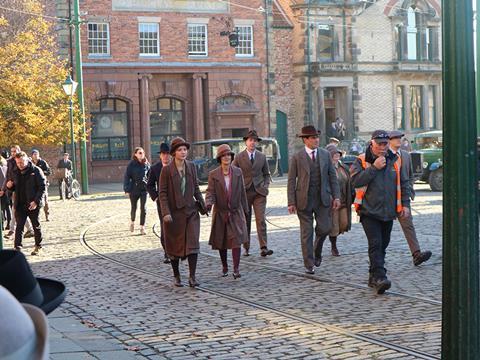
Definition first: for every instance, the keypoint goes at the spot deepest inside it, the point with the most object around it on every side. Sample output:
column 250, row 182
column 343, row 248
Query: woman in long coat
column 135, row 186
column 180, row 202
column 226, row 193
column 341, row 218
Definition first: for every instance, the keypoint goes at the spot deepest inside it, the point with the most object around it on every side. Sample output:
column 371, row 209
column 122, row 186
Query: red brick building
column 154, row 70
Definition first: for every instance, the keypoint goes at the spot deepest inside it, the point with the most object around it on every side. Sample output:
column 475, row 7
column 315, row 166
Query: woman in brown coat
column 341, row 218
column 181, row 201
column 226, row 193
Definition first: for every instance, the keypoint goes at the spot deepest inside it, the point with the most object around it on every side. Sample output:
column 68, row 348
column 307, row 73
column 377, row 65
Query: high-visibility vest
column 360, row 192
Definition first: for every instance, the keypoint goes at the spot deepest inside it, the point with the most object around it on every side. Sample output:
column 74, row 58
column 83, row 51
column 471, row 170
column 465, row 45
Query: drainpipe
column 267, row 50
column 309, row 72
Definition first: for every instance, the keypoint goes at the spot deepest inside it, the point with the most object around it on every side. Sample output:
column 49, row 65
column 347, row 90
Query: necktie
column 182, row 182
column 251, row 158
column 313, row 155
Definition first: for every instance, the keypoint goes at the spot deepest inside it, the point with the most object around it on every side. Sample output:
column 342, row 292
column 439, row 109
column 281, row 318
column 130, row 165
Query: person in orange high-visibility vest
column 382, row 194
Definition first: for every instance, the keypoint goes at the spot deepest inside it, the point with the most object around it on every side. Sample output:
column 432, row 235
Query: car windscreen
column 429, row 142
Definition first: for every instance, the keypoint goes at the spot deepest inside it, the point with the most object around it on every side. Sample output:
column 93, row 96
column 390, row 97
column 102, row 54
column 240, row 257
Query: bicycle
column 69, row 187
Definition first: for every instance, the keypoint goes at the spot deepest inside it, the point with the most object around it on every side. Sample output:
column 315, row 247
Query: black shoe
column 177, row 282
column 36, row 250
column 318, row 261
column 236, row 275
column 224, row 272
column 381, row 285
column 310, row 271
column 371, row 281
column 192, row 282
column 166, row 260
column 421, row 257
column 265, row 252
column 245, row 252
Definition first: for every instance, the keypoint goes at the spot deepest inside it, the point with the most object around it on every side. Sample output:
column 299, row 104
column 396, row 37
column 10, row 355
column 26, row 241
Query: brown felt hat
column 252, row 134
column 223, row 150
column 309, row 130
column 176, row 143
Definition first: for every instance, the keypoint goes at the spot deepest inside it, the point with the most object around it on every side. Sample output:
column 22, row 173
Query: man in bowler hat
column 256, row 176
column 313, row 192
column 152, row 188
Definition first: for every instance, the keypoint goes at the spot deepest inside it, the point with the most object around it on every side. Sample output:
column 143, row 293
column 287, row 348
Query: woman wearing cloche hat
column 180, row 202
column 226, row 194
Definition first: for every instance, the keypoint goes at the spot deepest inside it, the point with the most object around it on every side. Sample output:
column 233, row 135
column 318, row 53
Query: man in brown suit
column 256, row 175
column 313, row 191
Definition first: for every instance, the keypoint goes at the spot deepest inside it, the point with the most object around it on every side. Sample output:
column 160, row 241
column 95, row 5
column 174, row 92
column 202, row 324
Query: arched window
column 412, row 34
column 110, row 130
column 166, row 121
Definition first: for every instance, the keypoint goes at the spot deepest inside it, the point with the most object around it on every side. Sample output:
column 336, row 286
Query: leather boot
column 333, row 241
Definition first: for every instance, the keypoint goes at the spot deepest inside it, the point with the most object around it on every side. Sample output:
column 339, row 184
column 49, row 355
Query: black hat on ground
column 164, row 148
column 252, row 134
column 17, row 277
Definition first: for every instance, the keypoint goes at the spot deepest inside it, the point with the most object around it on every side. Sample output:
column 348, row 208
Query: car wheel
column 435, row 180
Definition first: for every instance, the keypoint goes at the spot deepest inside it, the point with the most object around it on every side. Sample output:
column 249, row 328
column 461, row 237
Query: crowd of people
column 23, row 193
column 321, row 191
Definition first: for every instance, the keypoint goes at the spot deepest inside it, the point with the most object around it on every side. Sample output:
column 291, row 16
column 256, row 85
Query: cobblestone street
column 121, row 303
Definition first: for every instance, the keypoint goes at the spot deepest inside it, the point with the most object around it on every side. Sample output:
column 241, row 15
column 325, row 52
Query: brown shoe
column 36, row 250
column 177, row 281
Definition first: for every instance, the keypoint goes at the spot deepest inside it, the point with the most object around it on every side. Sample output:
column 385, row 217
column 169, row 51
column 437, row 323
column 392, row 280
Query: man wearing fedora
column 406, row 222
column 152, row 188
column 256, row 174
column 313, row 192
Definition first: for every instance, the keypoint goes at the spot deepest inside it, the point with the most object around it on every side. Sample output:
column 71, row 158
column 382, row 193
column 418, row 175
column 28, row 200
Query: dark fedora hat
column 164, row 148
column 176, row 143
column 252, row 134
column 17, row 277
column 223, row 150
column 309, row 130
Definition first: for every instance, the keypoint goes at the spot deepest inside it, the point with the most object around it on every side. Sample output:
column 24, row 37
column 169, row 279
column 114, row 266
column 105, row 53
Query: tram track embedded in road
column 335, row 329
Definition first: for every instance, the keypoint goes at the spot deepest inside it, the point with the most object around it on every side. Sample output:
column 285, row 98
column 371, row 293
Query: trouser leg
column 323, row 225
column 250, row 197
column 21, row 218
column 376, row 248
column 133, row 205
column 37, row 229
column 260, row 206
column 306, row 236
column 162, row 235
column 143, row 208
column 410, row 234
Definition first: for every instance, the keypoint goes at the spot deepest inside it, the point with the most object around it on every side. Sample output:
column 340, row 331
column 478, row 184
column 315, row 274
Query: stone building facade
column 157, row 70
column 374, row 64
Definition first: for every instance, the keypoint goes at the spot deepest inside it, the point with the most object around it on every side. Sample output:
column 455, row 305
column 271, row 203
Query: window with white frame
column 245, row 40
column 149, row 39
column 98, row 39
column 197, row 40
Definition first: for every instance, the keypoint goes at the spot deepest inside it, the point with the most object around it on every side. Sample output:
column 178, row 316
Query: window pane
column 120, row 106
column 100, row 149
column 400, row 115
column 412, row 34
column 177, row 104
column 148, row 38
column 107, row 105
column 153, row 105
column 325, row 43
column 98, row 39
column 164, row 104
column 197, row 39
column 416, row 116
column 245, row 40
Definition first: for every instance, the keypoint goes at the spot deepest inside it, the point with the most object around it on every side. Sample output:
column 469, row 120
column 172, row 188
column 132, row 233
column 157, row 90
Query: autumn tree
column 33, row 106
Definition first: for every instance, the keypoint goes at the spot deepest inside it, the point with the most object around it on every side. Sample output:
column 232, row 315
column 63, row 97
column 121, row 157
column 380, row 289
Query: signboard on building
column 191, row 6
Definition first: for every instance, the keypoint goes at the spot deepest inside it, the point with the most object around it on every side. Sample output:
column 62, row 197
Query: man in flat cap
column 153, row 189
column 313, row 192
column 406, row 222
column 382, row 193
column 256, row 175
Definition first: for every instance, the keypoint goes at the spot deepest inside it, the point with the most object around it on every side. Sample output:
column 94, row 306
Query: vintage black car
column 204, row 153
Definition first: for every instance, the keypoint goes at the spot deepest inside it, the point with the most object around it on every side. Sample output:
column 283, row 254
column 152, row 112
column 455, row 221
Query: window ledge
column 143, row 57
column 245, row 57
column 100, row 57
column 198, row 56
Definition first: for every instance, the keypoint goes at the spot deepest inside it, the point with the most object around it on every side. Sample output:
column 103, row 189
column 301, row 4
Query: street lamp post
column 69, row 86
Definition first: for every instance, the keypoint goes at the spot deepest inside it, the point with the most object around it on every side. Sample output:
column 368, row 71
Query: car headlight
column 425, row 164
